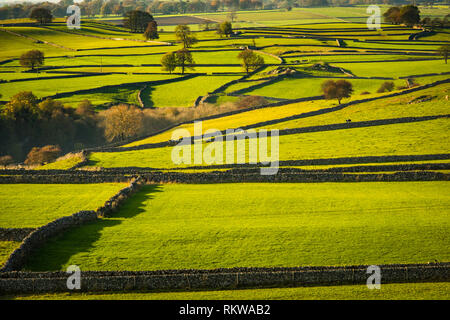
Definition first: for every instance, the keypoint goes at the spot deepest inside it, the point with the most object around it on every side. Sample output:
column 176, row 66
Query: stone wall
column 218, row 279
column 14, row 234
column 283, row 175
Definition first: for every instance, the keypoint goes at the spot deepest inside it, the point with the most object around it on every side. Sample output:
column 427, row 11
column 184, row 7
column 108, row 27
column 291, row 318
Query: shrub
column 43, row 155
column 387, row 86
column 122, row 122
column 6, row 160
column 251, row 101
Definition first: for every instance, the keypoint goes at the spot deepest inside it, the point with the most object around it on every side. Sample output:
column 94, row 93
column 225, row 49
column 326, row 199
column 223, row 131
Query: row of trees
column 183, row 59
column 92, row 8
column 26, row 122
column 408, row 15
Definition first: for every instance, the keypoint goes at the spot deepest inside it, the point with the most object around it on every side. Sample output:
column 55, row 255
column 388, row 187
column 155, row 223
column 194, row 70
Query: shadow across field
column 57, row 252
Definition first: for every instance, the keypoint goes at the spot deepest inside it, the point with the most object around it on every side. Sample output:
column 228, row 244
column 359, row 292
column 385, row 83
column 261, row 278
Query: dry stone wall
column 14, row 234
column 218, row 279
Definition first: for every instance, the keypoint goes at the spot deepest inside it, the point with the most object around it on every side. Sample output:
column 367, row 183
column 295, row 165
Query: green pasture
column 182, row 93
column 395, row 69
column 177, row 226
column 18, row 45
column 115, row 95
column 72, row 40
column 239, row 120
column 388, row 108
column 391, row 45
column 272, row 17
column 43, row 87
column 28, row 75
column 34, row 205
column 6, row 248
column 425, row 137
column 293, row 88
column 205, row 58
column 63, row 164
column 395, row 107
column 333, row 58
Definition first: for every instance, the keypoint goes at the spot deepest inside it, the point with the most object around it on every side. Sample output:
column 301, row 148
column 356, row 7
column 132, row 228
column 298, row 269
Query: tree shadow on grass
column 58, row 251
column 146, row 97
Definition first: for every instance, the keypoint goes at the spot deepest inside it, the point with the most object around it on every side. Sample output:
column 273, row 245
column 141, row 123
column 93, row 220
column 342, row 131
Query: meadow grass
column 395, row 69
column 18, row 45
column 332, row 58
column 223, row 57
column 72, row 40
column 425, row 137
column 6, row 248
column 28, row 75
column 293, row 88
column 388, row 291
column 34, row 205
column 63, row 164
column 389, row 108
column 183, row 93
column 48, row 87
column 238, row 120
column 184, row 226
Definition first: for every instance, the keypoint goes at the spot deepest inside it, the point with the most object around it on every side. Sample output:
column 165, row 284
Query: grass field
column 425, row 137
column 251, row 225
column 6, row 247
column 396, row 107
column 183, row 94
column 30, row 206
column 391, row 291
column 207, row 226
column 43, row 88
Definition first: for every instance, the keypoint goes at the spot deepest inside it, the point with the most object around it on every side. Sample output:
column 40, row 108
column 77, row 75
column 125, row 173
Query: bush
column 122, row 122
column 43, row 155
column 387, row 86
column 6, row 160
column 251, row 101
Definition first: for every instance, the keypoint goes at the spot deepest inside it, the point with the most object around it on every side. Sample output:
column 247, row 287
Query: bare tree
column 122, row 122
